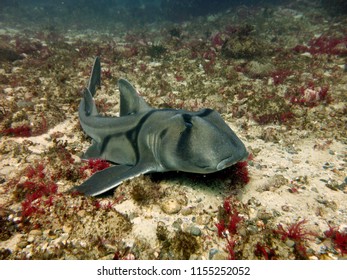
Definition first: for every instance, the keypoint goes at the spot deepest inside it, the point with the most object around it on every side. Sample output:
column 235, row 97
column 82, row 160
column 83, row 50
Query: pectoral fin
column 110, row 178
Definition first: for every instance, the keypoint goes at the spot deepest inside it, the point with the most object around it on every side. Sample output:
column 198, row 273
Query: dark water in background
column 140, row 11
column 102, row 13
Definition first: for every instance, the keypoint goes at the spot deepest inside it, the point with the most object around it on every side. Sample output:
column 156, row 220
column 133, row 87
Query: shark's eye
column 163, row 133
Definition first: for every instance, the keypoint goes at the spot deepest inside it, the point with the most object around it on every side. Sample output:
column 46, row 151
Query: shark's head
column 200, row 142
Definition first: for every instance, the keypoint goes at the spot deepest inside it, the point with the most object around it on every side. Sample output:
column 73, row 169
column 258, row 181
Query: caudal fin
column 95, row 77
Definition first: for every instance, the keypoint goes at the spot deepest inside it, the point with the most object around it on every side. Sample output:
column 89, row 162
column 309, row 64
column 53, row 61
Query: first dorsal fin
column 130, row 102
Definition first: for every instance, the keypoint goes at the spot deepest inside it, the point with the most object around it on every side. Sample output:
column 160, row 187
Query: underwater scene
column 259, row 175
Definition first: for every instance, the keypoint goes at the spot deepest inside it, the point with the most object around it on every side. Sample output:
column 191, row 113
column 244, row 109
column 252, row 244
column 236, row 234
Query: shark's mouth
column 229, row 161
column 226, row 163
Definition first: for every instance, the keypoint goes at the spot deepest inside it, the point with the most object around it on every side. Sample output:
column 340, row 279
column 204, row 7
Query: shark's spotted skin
column 143, row 139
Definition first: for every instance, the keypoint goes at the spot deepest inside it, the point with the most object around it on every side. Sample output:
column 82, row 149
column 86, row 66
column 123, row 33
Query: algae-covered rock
column 7, row 54
column 242, row 47
column 242, row 44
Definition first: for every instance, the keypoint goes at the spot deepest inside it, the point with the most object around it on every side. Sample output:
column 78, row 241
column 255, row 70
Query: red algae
column 297, row 233
column 264, row 251
column 227, row 226
column 94, row 165
column 279, row 76
column 218, row 40
column 20, row 131
column 240, row 173
column 26, row 130
column 280, row 117
column 36, row 171
column 36, row 188
column 324, row 45
column 294, row 231
column 33, row 200
column 309, row 96
column 339, row 239
column 230, row 248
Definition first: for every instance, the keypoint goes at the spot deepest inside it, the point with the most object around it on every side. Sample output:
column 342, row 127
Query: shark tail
column 95, row 77
column 87, row 105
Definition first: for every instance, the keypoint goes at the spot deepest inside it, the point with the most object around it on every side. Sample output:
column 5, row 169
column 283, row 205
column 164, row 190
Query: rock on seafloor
column 170, row 206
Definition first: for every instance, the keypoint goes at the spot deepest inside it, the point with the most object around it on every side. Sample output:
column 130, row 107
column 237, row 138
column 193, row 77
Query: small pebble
column 212, row 252
column 81, row 213
column 327, row 165
column 290, row 243
column 203, row 219
column 291, row 150
column 22, row 244
column 7, row 90
column 23, row 104
column 66, row 229
column 260, row 224
column 35, row 232
column 170, row 206
column 195, row 231
column 314, row 189
column 31, row 238
column 186, row 211
column 252, row 229
column 195, row 257
column 177, row 224
column 220, row 256
column 7, row 170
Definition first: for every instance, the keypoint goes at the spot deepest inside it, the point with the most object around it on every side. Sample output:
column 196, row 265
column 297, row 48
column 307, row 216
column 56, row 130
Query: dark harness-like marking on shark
column 143, row 139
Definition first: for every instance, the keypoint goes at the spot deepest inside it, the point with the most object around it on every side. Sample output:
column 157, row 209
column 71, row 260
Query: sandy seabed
column 278, row 79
